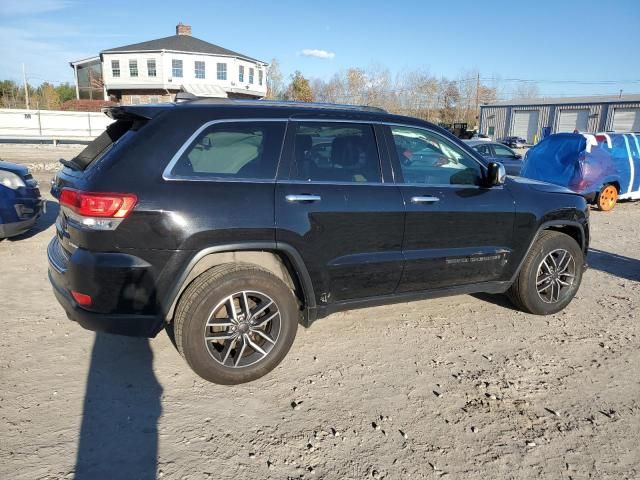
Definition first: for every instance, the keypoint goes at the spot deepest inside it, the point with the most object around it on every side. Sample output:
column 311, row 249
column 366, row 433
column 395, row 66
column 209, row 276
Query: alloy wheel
column 242, row 329
column 555, row 276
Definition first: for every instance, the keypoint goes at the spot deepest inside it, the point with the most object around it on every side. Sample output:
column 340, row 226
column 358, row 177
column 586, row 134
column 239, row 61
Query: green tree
column 66, row 92
column 9, row 93
column 299, row 89
column 46, row 97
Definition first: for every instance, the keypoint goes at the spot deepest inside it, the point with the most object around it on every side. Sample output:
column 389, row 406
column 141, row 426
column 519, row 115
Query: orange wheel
column 607, row 198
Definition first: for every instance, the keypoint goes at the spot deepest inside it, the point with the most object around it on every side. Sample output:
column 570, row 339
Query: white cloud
column 317, row 53
column 31, row 7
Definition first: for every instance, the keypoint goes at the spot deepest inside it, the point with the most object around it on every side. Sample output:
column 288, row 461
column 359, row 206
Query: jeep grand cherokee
column 230, row 222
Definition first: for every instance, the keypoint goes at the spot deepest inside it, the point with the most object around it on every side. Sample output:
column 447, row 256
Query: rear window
column 234, row 150
column 117, row 132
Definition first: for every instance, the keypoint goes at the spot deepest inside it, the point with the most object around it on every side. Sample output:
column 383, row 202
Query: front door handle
column 303, row 198
column 424, row 199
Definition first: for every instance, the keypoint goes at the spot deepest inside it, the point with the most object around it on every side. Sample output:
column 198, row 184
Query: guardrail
column 51, row 125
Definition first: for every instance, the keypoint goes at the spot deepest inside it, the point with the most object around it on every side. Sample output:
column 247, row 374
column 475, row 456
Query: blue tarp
column 585, row 162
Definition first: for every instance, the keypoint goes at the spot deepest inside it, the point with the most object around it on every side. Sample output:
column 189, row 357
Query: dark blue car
column 20, row 202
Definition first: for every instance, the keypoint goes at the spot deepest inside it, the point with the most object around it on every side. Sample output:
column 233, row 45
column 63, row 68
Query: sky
column 568, row 47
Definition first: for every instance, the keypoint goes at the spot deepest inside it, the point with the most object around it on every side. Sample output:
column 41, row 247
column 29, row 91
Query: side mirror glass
column 496, row 173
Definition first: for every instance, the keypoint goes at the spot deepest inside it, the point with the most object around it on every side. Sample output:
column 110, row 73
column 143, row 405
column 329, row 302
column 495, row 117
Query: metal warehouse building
column 528, row 118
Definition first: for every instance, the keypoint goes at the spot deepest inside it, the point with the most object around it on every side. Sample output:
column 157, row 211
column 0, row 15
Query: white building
column 154, row 71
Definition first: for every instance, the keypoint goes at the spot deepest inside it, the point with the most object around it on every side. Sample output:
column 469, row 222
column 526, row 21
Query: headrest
column 303, row 144
column 345, row 151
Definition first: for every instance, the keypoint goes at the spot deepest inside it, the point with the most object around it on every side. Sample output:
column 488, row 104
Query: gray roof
column 180, row 43
column 634, row 97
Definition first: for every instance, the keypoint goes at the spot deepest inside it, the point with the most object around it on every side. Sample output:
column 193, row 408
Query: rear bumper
column 92, row 274
column 130, row 325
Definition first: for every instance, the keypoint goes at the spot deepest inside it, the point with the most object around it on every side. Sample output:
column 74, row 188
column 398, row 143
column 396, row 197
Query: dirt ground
column 462, row 387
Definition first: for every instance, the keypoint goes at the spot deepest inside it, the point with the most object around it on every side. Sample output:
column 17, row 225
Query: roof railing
column 182, row 97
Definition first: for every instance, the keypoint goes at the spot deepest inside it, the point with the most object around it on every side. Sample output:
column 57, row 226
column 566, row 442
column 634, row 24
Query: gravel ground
column 462, row 387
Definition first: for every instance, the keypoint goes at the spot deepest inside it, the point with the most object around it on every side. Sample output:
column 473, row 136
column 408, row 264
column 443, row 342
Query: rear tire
column 550, row 275
column 228, row 344
column 607, row 198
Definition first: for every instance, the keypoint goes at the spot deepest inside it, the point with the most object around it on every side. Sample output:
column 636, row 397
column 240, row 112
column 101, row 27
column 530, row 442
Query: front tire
column 550, row 275
column 235, row 323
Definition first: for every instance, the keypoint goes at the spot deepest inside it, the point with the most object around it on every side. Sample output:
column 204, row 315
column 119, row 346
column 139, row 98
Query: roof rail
column 189, row 97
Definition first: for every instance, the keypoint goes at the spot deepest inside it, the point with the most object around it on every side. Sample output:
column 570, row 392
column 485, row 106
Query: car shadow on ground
column 122, row 405
column 611, row 263
column 614, row 264
column 44, row 222
column 500, row 300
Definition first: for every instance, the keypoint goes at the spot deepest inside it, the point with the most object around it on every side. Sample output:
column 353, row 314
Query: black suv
column 229, row 222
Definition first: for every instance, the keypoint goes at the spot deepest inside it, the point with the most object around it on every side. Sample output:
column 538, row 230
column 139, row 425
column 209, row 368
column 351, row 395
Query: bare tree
column 525, row 91
column 275, row 84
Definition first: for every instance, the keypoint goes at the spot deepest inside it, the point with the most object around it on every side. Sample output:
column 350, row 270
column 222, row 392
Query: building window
column 260, row 76
column 241, row 73
column 222, row 71
column 199, row 69
column 251, row 75
column 151, row 68
column 176, row 68
column 115, row 68
column 133, row 68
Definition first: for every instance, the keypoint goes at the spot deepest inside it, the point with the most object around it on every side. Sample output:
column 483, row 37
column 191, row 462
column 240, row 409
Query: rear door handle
column 424, row 199
column 303, row 198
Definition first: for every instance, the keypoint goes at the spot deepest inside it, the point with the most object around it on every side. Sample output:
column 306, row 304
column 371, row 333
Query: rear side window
column 503, row 152
column 234, row 150
column 335, row 152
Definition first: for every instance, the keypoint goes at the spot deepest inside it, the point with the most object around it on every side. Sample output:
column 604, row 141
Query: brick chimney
column 182, row 29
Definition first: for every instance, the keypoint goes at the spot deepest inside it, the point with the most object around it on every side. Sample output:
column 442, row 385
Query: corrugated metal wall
column 500, row 117
column 544, row 112
column 494, row 117
column 593, row 124
column 608, row 124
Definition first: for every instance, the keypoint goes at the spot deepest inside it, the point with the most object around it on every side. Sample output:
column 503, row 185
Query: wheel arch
column 611, row 180
column 280, row 259
column 574, row 229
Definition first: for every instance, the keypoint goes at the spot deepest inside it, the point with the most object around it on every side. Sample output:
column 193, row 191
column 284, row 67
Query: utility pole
column 26, row 86
column 477, row 95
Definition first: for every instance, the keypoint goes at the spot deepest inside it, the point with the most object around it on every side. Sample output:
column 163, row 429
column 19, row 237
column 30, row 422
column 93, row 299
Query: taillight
column 81, row 298
column 101, row 211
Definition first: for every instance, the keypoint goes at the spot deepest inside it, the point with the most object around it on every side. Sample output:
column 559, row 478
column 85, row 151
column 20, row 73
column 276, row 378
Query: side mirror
column 496, row 174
